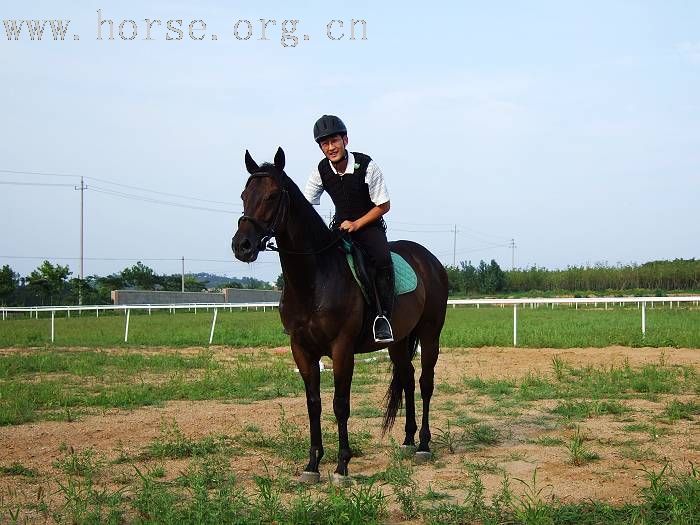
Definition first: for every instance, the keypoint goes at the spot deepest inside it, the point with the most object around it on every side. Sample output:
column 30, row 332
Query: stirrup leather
column 374, row 330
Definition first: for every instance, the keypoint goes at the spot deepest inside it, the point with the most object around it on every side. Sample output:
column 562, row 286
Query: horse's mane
column 316, row 229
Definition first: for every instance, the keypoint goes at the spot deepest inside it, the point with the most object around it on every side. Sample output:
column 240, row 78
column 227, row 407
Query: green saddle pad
column 405, row 279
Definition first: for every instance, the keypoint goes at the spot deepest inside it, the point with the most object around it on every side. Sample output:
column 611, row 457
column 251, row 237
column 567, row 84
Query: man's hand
column 349, row 226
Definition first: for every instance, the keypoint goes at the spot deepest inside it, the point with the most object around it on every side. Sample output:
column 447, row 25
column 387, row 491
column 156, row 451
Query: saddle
column 405, row 279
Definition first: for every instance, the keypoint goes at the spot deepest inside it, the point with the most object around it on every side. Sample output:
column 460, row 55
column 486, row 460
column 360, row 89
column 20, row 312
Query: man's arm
column 314, row 188
column 371, row 216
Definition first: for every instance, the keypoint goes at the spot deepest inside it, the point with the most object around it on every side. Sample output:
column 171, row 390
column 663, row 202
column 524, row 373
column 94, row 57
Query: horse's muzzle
column 243, row 248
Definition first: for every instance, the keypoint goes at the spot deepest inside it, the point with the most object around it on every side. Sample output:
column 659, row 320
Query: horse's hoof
column 309, row 477
column 341, row 481
column 423, row 457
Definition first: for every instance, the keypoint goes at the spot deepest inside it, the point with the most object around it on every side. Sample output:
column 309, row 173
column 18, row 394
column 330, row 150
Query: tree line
column 654, row 278
column 52, row 284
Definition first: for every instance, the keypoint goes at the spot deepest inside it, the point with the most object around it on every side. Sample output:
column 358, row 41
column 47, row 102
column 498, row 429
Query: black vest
column 350, row 192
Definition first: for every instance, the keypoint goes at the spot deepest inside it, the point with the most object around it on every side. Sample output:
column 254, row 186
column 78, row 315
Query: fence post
column 213, row 324
column 644, row 318
column 515, row 324
column 53, row 317
column 126, row 330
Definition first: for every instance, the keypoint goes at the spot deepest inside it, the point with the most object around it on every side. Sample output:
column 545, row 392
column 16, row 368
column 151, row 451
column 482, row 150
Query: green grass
column 561, row 327
column 173, row 444
column 579, row 453
column 676, row 410
column 115, row 386
column 17, row 469
column 591, row 383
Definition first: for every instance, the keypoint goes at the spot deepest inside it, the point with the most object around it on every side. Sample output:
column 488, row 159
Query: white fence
column 607, row 302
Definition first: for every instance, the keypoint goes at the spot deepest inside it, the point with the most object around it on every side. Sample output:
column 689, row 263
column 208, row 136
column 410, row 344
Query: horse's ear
column 279, row 159
column 250, row 164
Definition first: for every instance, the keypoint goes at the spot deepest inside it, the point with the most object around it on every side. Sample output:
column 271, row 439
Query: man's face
column 334, row 147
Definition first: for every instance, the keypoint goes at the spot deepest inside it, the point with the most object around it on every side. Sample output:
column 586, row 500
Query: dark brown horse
column 323, row 309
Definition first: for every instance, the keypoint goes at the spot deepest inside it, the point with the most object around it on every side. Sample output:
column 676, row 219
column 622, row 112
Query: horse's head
column 265, row 204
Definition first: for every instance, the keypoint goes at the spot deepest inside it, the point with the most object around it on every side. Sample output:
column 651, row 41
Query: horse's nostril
column 244, row 244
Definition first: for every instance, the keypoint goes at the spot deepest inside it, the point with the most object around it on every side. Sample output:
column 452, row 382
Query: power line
column 17, row 183
column 141, row 198
column 159, row 259
column 106, row 181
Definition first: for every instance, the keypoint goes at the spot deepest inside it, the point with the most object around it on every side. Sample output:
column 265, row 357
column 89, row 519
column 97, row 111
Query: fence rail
column 641, row 303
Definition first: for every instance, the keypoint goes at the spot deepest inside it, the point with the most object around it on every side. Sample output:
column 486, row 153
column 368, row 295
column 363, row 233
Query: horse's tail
column 394, row 394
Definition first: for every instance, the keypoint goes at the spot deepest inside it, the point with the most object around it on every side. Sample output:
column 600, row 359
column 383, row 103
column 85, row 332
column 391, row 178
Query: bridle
column 270, row 230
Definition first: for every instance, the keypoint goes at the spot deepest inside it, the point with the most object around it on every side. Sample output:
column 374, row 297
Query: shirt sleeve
column 374, row 178
column 314, row 188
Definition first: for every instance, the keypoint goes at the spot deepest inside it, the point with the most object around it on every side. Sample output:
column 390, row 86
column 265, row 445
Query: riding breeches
column 373, row 241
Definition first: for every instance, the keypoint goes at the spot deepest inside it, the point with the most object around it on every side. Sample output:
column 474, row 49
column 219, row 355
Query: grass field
column 167, row 430
column 561, row 327
column 162, row 435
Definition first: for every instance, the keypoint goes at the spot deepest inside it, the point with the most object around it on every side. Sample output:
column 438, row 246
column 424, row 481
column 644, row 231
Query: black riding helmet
column 327, row 126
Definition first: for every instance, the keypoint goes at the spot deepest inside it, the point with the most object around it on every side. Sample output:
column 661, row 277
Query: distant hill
column 217, row 281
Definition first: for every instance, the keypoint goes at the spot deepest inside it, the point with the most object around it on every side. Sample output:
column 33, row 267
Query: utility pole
column 512, row 247
column 82, row 189
column 454, row 248
column 183, row 273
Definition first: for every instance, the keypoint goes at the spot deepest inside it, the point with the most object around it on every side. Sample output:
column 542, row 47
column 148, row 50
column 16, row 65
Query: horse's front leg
column 343, row 367
column 310, row 373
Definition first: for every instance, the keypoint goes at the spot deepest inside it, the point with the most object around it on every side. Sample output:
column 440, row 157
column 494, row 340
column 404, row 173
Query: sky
column 571, row 127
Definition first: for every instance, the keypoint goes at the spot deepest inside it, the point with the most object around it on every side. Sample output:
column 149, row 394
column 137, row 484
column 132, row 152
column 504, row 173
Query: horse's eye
column 271, row 196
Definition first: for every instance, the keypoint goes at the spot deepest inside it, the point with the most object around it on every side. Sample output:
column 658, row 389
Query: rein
column 270, row 231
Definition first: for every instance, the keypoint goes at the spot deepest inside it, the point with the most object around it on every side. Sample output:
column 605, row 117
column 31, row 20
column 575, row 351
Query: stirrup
column 374, row 330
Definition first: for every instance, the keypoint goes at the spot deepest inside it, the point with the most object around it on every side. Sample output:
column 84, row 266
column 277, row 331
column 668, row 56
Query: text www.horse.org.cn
column 287, row 31
column 243, row 29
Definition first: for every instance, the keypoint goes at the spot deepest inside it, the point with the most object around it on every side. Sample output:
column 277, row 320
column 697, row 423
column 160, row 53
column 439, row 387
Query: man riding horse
column 356, row 186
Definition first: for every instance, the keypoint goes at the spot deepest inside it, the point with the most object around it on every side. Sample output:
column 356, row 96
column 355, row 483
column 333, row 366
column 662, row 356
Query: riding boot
column 384, row 282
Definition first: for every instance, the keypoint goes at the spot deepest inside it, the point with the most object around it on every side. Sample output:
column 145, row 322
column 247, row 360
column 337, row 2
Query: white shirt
column 374, row 178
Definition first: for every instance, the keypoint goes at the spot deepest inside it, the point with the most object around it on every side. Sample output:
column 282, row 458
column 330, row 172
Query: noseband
column 268, row 231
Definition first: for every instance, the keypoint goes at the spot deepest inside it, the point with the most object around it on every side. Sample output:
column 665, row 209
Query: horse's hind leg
column 400, row 353
column 430, row 348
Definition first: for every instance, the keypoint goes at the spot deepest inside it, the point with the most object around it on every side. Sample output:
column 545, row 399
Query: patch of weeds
column 469, row 438
column 547, row 441
column 676, row 410
column 172, row 443
column 448, row 406
column 367, row 411
column 251, row 428
column 533, row 388
column 531, row 507
column 433, row 495
column 85, row 463
column 210, row 472
column 447, row 388
column 446, row 439
column 633, row 451
column 83, row 502
column 576, row 410
column 464, row 420
column 482, row 435
column 17, row 469
column 653, row 431
column 123, row 455
column 485, row 465
column 558, row 368
column 579, row 454
column 494, row 388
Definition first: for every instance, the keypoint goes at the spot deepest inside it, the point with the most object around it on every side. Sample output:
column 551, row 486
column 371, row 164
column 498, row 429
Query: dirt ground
column 616, row 477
